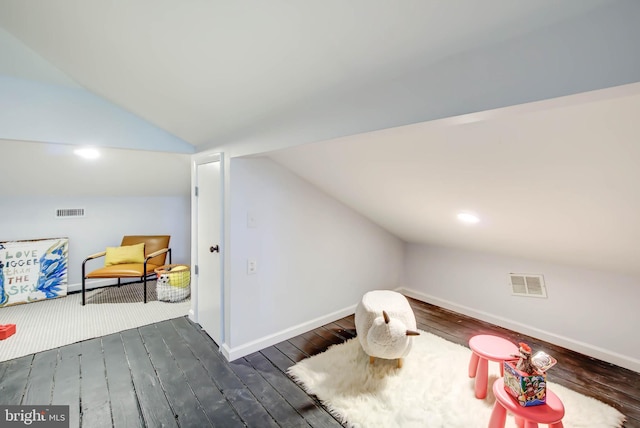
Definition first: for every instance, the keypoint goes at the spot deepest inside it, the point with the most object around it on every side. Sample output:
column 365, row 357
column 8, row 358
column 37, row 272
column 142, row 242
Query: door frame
column 196, row 160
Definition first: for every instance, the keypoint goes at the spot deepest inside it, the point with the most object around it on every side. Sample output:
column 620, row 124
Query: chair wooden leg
column 371, row 359
column 400, row 363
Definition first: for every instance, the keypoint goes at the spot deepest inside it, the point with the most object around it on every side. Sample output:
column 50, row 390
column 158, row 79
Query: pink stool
column 488, row 348
column 550, row 413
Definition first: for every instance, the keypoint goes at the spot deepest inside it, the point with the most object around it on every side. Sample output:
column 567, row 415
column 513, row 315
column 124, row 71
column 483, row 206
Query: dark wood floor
column 171, row 374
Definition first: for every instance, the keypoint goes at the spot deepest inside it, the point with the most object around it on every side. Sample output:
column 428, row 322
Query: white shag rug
column 432, row 389
column 57, row 322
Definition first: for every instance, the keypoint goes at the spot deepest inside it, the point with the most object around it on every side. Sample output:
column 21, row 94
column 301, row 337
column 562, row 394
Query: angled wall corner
column 33, row 111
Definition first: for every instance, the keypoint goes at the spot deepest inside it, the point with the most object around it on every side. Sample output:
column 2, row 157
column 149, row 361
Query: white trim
column 226, row 351
column 194, row 240
column 196, row 160
column 236, row 352
column 584, row 348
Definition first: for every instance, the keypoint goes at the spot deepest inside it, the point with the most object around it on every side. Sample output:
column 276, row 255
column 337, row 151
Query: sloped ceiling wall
column 283, row 73
column 554, row 180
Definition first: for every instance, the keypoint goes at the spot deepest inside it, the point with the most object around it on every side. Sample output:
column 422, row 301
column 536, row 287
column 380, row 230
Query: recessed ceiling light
column 468, row 218
column 87, row 153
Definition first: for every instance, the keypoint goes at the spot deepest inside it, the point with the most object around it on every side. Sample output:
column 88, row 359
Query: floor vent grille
column 525, row 284
column 69, row 212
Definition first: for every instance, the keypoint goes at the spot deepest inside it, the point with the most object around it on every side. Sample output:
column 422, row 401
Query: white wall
column 315, row 256
column 593, row 312
column 107, row 219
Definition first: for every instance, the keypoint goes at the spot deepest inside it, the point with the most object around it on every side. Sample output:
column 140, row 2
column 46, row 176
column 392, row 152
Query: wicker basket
column 173, row 282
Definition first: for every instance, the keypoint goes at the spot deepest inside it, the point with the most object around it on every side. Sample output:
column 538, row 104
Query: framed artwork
column 33, row 270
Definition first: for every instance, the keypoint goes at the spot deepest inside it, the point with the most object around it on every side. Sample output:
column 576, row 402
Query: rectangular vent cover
column 525, row 284
column 69, row 212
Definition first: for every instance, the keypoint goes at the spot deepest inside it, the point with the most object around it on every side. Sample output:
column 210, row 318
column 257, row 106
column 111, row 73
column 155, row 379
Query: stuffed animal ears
column 387, row 319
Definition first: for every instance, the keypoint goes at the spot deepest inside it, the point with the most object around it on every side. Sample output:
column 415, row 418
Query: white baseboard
column 584, row 348
column 233, row 353
column 93, row 283
column 226, row 351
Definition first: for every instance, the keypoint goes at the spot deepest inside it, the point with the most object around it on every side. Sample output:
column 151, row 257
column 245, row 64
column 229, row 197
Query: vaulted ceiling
column 215, row 72
column 402, row 110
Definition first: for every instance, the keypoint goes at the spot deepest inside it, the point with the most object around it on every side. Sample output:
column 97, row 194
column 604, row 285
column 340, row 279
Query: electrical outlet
column 252, row 266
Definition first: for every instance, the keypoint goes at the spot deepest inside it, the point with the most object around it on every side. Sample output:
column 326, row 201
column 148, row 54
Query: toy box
column 529, row 390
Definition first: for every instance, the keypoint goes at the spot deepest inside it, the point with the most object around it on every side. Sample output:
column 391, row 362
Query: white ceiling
column 552, row 180
column 207, row 70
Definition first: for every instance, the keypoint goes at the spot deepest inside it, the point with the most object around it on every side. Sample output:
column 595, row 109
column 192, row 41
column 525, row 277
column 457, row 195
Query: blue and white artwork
column 33, row 270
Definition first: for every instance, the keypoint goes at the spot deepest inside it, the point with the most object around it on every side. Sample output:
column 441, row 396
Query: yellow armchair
column 126, row 262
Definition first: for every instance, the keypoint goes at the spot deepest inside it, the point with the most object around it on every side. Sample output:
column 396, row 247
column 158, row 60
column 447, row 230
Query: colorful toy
column 524, row 363
column 529, row 390
column 525, row 379
column 7, row 330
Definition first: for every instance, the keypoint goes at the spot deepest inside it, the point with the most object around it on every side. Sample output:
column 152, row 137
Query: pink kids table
column 550, row 413
column 488, row 348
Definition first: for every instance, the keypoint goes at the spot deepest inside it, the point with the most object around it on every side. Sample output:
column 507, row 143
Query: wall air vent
column 525, row 284
column 69, row 212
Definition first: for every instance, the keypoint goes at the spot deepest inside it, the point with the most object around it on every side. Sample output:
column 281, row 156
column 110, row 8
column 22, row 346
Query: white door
column 209, row 305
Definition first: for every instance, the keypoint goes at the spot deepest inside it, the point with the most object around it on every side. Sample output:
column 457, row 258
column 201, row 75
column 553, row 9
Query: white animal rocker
column 385, row 324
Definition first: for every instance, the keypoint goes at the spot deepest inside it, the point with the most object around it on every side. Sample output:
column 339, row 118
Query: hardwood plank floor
column 171, row 374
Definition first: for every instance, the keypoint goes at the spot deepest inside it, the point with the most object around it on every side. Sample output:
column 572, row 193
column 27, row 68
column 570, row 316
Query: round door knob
column 215, row 249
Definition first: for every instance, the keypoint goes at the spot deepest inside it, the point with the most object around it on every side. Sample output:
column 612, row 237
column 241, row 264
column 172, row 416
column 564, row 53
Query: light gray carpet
column 132, row 293
column 57, row 322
